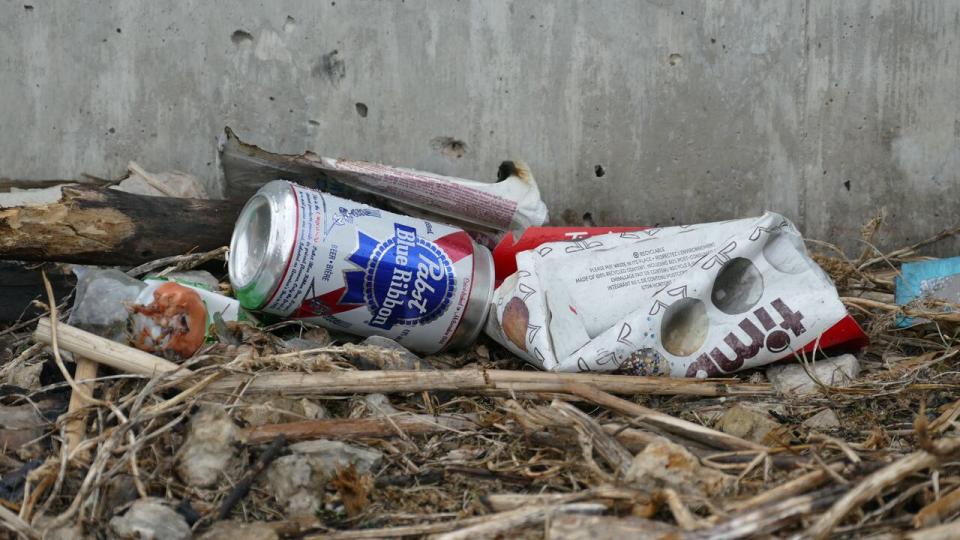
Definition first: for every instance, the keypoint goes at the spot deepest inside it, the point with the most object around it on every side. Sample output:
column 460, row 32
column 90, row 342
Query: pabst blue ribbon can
column 304, row 254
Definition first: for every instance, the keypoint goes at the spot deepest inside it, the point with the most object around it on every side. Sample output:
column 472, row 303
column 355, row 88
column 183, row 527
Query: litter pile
column 362, row 363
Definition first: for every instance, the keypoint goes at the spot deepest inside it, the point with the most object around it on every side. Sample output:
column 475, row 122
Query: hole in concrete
column 588, row 219
column 846, row 184
column 313, row 122
column 290, row 24
column 598, row 171
column 449, row 146
column 272, row 98
column 675, row 59
column 28, row 7
column 362, row 109
column 330, row 66
column 713, row 40
column 241, row 36
column 119, row 31
column 112, row 130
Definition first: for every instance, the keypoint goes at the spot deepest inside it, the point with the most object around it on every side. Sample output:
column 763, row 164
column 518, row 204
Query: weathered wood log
column 93, row 225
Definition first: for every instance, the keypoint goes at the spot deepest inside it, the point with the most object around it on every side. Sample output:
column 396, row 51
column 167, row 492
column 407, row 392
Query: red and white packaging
column 700, row 300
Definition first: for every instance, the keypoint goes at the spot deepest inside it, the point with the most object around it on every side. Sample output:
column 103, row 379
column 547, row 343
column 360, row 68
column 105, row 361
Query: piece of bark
column 92, row 225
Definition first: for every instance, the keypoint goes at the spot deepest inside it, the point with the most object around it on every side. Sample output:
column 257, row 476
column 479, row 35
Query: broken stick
column 92, row 225
column 350, row 428
column 104, row 351
column 696, row 432
column 76, row 427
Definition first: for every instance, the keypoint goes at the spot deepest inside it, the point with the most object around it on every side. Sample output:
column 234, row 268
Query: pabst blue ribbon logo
column 402, row 280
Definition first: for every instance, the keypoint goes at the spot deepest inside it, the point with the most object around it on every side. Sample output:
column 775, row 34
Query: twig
column 243, row 486
column 949, row 531
column 76, row 427
column 348, row 428
column 666, row 422
column 180, row 262
column 794, row 487
column 612, row 451
column 80, row 392
column 13, row 522
column 500, row 523
column 767, row 519
column 874, row 484
column 940, row 509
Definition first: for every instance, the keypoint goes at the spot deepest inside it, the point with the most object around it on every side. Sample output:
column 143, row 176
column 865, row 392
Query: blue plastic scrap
column 938, row 279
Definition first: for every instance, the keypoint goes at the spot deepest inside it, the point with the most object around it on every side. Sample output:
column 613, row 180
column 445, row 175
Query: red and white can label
column 366, row 271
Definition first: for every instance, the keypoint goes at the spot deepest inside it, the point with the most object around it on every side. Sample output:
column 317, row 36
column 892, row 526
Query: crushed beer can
column 301, row 253
column 696, row 301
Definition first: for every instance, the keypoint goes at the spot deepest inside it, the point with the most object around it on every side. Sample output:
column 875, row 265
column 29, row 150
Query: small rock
column 151, row 519
column 578, row 526
column 297, row 480
column 278, row 410
column 233, row 530
column 666, row 464
column 67, row 532
column 291, row 482
column 120, row 491
column 19, row 426
column 327, row 457
column 793, row 379
column 824, row 420
column 313, row 338
column 396, row 356
column 313, row 410
column 748, row 423
column 209, row 447
column 26, row 376
column 379, row 405
column 100, row 306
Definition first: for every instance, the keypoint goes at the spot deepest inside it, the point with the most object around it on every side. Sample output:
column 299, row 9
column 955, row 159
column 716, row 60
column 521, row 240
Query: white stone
column 793, row 379
column 747, row 423
column 297, row 480
column 151, row 519
column 823, row 420
column 209, row 449
column 666, row 464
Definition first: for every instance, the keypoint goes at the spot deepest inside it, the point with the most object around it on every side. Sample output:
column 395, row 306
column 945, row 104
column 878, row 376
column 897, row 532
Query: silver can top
column 261, row 244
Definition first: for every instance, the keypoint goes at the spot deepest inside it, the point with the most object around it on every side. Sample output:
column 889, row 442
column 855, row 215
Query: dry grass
column 889, row 470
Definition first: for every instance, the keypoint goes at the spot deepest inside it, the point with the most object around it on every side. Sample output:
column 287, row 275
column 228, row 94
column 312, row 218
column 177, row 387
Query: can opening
column 250, row 242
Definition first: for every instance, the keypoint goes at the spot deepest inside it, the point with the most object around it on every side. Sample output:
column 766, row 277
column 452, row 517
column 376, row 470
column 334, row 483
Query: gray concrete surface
column 821, row 110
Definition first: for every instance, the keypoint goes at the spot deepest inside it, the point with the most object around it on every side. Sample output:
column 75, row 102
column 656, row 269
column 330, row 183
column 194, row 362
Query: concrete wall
column 695, row 111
